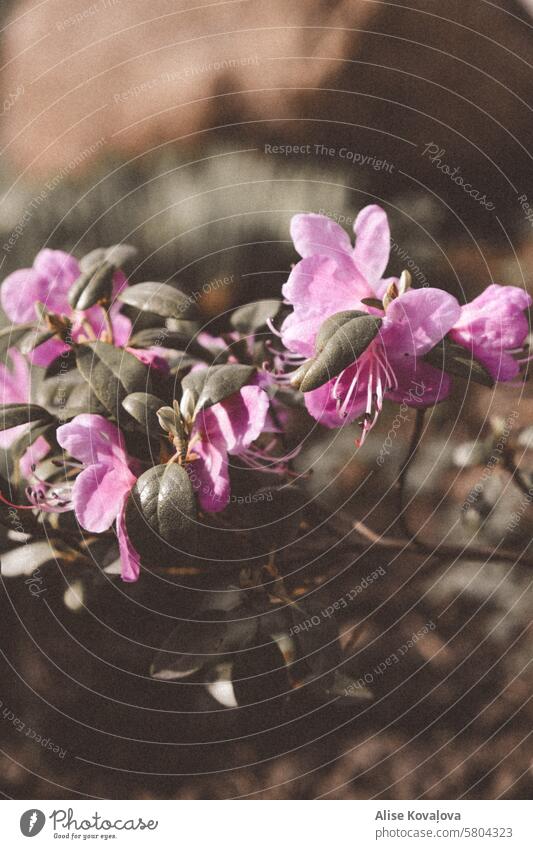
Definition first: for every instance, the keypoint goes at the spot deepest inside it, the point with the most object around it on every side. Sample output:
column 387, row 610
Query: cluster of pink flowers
column 332, row 279
column 333, row 276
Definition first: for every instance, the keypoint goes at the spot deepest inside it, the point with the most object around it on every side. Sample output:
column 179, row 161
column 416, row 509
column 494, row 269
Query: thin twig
column 108, row 324
column 440, row 549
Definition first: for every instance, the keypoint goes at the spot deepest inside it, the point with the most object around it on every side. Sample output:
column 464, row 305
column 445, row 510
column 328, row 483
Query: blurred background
column 195, row 131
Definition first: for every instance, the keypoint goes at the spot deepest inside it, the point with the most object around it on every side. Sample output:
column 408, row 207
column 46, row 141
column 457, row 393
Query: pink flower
column 333, row 276
column 48, row 282
column 391, row 367
column 15, row 389
column 493, row 325
column 101, row 490
column 336, row 278
column 228, row 427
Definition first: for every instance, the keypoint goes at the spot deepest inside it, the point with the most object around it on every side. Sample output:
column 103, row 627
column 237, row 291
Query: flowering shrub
column 140, row 449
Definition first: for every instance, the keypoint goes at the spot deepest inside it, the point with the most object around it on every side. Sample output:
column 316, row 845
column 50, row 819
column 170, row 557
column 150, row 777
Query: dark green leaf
column 298, row 375
column 272, row 513
column 454, row 359
column 195, row 644
column 165, row 338
column 120, row 256
column 316, row 634
column 342, row 349
column 112, row 373
column 160, row 515
column 372, row 302
column 332, row 324
column 253, row 317
column 195, row 381
column 65, row 395
column 347, row 689
column 35, row 430
column 158, row 298
column 12, row 415
column 221, row 382
column 91, row 287
column 143, row 407
column 11, row 336
column 260, row 673
column 33, row 339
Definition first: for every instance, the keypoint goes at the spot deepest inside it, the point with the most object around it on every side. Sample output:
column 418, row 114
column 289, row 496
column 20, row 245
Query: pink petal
column 60, row 268
column 322, row 404
column 129, row 559
column 492, row 324
column 98, row 495
column 317, row 288
column 92, row 439
column 238, row 420
column 372, row 243
column 317, row 234
column 48, row 281
column 14, row 382
column 49, row 351
column 419, row 384
column 8, row 437
column 153, row 357
column 14, row 389
column 33, row 456
column 415, row 322
column 209, row 476
column 20, row 292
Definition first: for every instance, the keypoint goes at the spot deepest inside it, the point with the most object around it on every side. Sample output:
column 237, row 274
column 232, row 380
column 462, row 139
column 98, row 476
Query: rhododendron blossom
column 492, row 327
column 333, row 278
column 101, row 489
column 226, row 428
column 15, row 389
column 48, row 282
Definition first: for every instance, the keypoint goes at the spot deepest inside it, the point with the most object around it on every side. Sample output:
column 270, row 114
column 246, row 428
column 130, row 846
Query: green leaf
column 35, row 430
column 11, row 336
column 160, row 515
column 65, row 395
column 332, row 324
column 221, row 382
column 91, row 287
column 372, row 302
column 454, row 359
column 253, row 317
column 112, row 373
column 13, row 415
column 195, row 644
column 33, row 339
column 165, row 338
column 120, row 256
column 143, row 407
column 341, row 351
column 158, row 298
column 347, row 689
